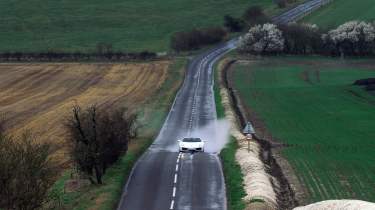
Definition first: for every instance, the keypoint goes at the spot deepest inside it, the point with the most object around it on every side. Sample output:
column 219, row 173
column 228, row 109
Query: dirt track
column 40, row 96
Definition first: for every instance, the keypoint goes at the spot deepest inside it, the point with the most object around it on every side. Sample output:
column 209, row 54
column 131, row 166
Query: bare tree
column 26, row 172
column 98, row 139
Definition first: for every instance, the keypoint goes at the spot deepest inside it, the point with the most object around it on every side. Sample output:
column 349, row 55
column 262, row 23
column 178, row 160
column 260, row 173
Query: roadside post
column 248, row 131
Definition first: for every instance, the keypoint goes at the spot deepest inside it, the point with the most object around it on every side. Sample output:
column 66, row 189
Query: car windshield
column 191, row 140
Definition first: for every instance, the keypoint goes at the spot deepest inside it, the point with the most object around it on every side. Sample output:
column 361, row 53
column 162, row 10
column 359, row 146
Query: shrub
column 233, row 24
column 362, row 82
column 281, row 3
column 26, row 172
column 284, row 3
column 370, row 87
column 191, row 40
column 98, row 138
column 254, row 15
column 262, row 39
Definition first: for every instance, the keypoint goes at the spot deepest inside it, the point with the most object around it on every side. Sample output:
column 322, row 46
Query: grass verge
column 152, row 115
column 231, row 169
column 106, row 196
column 233, row 176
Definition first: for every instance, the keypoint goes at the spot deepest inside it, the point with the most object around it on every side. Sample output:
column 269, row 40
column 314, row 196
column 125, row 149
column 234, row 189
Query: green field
column 310, row 104
column 129, row 25
column 340, row 11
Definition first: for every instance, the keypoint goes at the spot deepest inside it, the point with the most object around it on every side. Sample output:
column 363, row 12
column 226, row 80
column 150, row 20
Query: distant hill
column 340, row 11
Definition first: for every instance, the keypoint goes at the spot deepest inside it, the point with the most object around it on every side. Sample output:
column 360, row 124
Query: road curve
column 164, row 179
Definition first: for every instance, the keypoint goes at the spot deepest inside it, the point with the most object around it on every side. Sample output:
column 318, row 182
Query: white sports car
column 191, row 144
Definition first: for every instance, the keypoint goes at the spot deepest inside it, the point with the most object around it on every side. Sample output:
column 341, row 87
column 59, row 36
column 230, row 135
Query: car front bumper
column 185, row 149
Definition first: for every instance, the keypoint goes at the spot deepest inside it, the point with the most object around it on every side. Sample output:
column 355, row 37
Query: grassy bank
column 152, row 115
column 340, row 11
column 231, row 169
column 103, row 196
column 129, row 25
column 310, row 104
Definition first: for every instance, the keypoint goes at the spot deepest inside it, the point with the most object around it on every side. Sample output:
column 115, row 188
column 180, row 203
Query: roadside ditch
column 288, row 192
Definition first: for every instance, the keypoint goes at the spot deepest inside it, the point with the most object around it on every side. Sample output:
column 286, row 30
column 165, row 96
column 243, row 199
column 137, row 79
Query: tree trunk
column 98, row 174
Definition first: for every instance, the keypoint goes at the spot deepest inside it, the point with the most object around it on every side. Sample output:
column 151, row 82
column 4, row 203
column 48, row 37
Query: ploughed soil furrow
column 39, row 97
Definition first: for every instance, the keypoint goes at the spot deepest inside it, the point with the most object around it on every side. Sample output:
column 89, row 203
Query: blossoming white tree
column 353, row 36
column 262, row 39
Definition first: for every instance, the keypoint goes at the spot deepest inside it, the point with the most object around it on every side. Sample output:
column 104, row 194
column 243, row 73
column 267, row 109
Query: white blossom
column 353, row 31
column 262, row 39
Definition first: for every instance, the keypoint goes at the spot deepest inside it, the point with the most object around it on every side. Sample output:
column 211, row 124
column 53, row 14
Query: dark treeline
column 197, row 38
column 77, row 56
column 349, row 39
column 301, row 39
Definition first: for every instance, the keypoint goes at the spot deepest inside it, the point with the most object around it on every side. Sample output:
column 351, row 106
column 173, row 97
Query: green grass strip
column 233, row 176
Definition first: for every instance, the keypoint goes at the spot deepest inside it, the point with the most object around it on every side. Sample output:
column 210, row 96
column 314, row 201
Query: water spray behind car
column 215, row 135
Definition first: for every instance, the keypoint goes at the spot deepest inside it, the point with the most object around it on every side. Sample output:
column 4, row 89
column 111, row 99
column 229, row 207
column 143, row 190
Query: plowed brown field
column 39, row 97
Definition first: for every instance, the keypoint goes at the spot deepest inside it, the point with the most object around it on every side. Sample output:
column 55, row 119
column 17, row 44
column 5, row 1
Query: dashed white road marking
column 175, row 178
column 174, row 192
column 175, row 181
column 172, row 205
